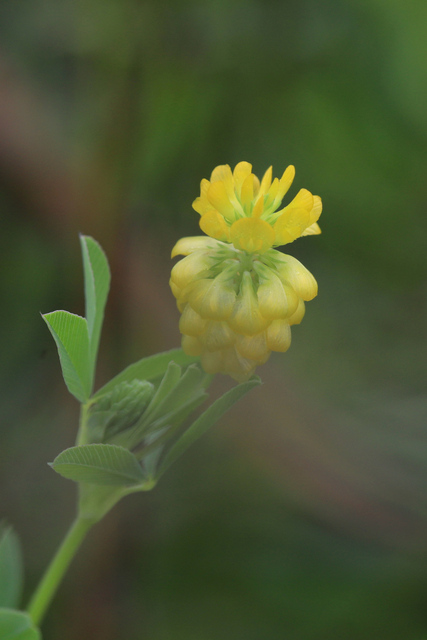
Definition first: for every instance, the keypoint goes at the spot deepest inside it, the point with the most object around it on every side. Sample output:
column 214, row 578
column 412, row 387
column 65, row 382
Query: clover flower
column 239, row 296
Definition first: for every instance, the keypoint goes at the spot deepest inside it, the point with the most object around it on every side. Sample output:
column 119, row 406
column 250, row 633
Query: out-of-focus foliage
column 303, row 516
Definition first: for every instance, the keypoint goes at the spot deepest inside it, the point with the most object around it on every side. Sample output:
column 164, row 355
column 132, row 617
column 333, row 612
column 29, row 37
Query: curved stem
column 54, row 573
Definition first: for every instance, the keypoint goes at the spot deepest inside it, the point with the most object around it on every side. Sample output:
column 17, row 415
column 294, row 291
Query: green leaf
column 17, row 625
column 104, row 464
column 206, row 420
column 188, row 385
column 174, row 400
column 11, row 572
column 148, row 368
column 70, row 333
column 168, row 382
column 97, row 284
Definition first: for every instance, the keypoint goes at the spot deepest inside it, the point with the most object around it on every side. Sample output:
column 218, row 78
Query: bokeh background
column 302, row 516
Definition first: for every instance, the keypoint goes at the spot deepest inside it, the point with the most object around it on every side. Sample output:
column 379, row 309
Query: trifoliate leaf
column 17, row 625
column 70, row 333
column 10, row 568
column 102, row 464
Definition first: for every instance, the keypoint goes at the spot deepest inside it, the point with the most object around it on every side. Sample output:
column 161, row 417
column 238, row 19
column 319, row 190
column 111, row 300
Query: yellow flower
column 239, row 296
column 236, row 207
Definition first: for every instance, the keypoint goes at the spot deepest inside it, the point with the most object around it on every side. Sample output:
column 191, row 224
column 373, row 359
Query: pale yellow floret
column 175, row 289
column 218, row 335
column 212, row 361
column 191, row 323
column 192, row 346
column 296, row 317
column 276, row 299
column 253, row 347
column 278, row 336
column 236, row 366
column 185, row 246
column 246, row 318
column 213, row 299
column 186, row 270
column 298, row 276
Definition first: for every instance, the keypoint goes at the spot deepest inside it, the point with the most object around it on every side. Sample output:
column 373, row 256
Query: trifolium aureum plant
column 238, row 297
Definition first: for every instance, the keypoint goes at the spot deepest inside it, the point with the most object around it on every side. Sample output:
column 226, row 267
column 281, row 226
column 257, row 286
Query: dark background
column 302, row 516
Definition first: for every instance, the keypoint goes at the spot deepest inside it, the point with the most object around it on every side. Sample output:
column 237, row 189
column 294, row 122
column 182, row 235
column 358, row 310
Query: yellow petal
column 222, row 173
column 276, row 299
column 191, row 323
column 252, row 234
column 266, row 181
column 214, row 225
column 293, row 271
column 217, row 335
column 191, row 346
column 272, row 192
column 247, row 193
column 212, row 298
column 282, row 236
column 217, row 196
column 290, row 224
column 312, row 230
column 241, row 171
column 247, row 318
column 256, row 184
column 258, row 208
column 185, row 246
column 201, row 204
column 284, row 184
column 303, row 200
column 279, row 335
column 316, row 209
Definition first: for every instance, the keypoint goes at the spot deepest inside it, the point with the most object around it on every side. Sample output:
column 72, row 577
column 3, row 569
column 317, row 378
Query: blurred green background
column 302, row 516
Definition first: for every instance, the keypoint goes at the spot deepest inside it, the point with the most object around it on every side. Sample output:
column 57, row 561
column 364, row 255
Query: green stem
column 82, row 435
column 57, row 568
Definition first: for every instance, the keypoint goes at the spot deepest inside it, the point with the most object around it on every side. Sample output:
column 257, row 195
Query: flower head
column 237, row 294
column 236, row 207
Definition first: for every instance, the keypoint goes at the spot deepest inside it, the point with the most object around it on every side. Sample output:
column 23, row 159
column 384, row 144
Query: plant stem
column 57, row 568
